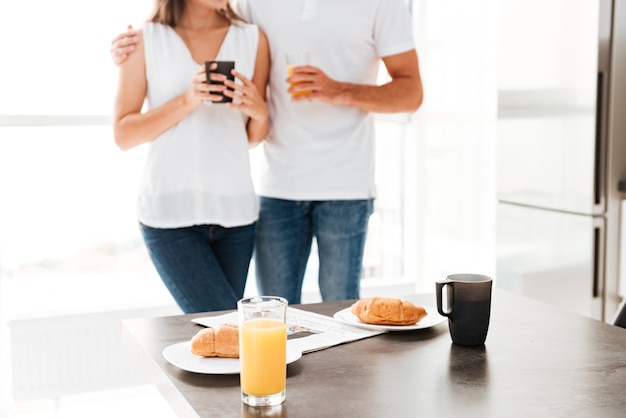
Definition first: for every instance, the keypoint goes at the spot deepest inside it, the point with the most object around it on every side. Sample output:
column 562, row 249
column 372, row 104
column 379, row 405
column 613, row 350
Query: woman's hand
column 246, row 97
column 202, row 90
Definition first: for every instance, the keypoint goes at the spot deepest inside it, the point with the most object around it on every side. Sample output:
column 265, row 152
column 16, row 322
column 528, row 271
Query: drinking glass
column 295, row 59
column 263, row 350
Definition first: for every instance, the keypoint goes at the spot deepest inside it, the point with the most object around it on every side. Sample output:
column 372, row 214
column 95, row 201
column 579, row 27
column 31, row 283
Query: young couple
column 198, row 211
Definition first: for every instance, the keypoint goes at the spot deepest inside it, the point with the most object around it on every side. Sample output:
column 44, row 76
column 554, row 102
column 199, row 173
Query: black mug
column 468, row 307
column 223, row 67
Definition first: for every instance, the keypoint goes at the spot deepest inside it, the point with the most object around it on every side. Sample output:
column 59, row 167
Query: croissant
column 387, row 311
column 220, row 341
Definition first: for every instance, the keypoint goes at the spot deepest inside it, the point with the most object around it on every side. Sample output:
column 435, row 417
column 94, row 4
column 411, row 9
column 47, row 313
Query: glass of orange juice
column 263, row 350
column 295, row 59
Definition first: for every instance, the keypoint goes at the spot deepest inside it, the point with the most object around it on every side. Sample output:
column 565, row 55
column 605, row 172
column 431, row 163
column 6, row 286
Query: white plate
column 180, row 355
column 431, row 319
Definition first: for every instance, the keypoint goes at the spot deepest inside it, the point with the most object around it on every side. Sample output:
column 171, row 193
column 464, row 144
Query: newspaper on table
column 306, row 331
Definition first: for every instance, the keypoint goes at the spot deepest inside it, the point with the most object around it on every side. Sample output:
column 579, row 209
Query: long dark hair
column 169, row 12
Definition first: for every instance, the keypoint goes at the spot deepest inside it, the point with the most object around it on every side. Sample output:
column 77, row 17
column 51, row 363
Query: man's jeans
column 285, row 232
column 204, row 267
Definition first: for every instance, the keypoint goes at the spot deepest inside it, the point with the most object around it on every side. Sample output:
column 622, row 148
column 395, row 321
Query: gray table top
column 537, row 361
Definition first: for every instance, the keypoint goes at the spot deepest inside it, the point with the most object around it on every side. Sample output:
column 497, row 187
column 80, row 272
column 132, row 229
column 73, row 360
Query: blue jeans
column 204, row 267
column 285, row 232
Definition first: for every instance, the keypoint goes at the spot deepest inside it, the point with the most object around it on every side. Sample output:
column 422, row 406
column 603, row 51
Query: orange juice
column 263, row 356
column 290, row 73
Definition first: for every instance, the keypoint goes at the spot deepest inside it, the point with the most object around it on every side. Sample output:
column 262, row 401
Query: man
column 317, row 177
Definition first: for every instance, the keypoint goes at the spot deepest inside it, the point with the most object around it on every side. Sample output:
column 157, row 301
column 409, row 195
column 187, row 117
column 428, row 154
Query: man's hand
column 123, row 44
column 313, row 83
column 403, row 93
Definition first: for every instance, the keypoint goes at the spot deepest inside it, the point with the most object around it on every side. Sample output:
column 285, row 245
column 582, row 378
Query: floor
column 139, row 401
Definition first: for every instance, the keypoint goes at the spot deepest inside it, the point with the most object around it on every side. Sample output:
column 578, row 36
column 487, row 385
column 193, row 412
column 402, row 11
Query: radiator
column 71, row 354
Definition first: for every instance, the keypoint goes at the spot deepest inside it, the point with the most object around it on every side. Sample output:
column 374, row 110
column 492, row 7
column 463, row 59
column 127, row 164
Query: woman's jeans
column 204, row 267
column 285, row 232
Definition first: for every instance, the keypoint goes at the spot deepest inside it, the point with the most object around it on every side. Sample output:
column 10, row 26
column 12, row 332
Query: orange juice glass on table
column 263, row 350
column 295, row 59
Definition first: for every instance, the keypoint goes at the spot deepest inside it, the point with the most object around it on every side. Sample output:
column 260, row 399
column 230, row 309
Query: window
column 67, row 224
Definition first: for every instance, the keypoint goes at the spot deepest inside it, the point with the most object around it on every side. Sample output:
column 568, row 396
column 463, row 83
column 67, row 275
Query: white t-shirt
column 318, row 151
column 198, row 171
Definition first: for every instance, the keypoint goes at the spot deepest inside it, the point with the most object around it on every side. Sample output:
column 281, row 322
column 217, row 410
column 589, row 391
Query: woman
column 197, row 207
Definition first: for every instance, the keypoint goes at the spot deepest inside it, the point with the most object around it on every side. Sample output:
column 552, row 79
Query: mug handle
column 439, row 288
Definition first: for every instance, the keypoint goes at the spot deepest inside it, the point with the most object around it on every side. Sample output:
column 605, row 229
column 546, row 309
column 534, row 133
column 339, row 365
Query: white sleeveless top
column 197, row 172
